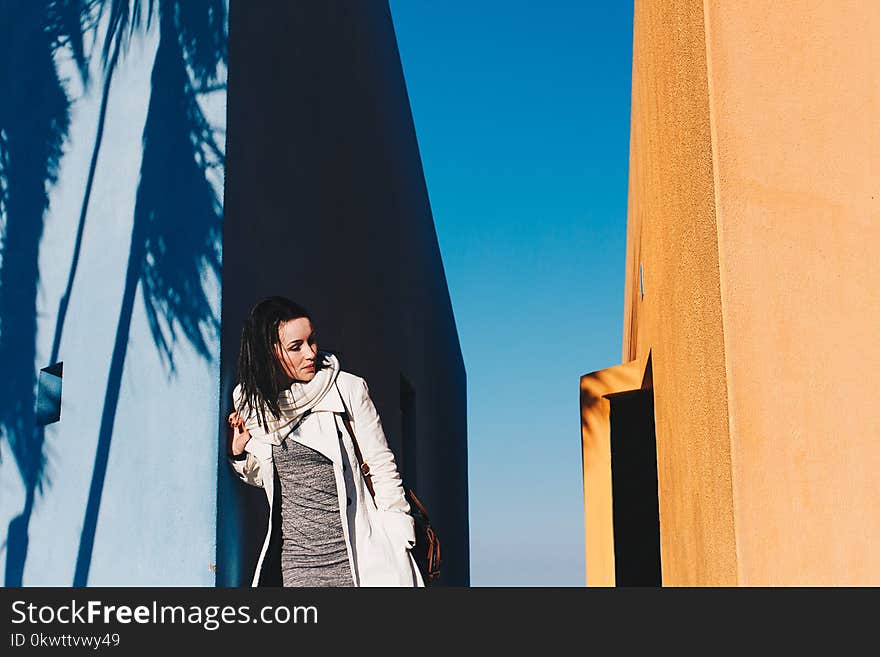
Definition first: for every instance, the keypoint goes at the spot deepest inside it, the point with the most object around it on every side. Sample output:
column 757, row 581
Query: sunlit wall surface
column 752, row 233
column 112, row 122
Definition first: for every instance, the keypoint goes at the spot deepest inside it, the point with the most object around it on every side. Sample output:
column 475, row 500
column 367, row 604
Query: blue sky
column 522, row 116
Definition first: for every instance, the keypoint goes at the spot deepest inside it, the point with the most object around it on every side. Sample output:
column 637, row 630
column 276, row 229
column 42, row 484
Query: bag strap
column 364, row 467
column 422, row 510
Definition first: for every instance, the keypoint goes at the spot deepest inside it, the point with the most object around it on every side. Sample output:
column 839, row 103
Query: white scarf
column 294, row 402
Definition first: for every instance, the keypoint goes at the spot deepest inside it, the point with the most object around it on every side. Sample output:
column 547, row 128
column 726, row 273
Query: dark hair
column 259, row 372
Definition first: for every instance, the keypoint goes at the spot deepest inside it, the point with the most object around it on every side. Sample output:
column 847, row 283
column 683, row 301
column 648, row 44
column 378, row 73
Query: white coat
column 378, row 535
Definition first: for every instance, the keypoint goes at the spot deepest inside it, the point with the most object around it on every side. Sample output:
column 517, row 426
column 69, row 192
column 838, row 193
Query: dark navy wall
column 326, row 203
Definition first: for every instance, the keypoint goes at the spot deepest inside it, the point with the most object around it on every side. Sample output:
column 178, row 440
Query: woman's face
column 297, row 349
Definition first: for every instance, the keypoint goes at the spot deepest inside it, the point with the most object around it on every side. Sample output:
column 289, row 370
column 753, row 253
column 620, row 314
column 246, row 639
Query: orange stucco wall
column 672, row 234
column 754, row 212
column 795, row 112
column 596, row 450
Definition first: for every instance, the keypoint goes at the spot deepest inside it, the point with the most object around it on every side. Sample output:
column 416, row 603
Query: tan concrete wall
column 754, row 207
column 795, row 102
column 672, row 233
column 596, row 451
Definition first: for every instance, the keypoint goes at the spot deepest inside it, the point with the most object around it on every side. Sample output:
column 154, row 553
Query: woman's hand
column 240, row 435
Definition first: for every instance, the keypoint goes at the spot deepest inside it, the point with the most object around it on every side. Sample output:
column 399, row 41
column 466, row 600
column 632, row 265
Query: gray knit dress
column 313, row 551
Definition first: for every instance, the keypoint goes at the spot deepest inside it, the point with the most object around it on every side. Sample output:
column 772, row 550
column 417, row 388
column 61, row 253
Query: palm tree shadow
column 34, row 119
column 176, row 234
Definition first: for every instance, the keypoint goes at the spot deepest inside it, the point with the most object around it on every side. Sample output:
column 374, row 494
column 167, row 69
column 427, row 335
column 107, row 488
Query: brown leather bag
column 426, row 551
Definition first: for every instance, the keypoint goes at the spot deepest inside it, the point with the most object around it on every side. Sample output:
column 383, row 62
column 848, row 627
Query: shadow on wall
column 177, row 215
column 34, row 119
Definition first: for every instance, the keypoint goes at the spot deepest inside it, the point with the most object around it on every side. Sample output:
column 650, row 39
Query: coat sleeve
column 387, row 484
column 248, row 470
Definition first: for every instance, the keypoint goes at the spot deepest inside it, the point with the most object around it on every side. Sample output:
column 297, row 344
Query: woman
column 289, row 437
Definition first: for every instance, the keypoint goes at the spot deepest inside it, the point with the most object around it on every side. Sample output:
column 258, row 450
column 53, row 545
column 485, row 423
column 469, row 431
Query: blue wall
column 110, row 263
